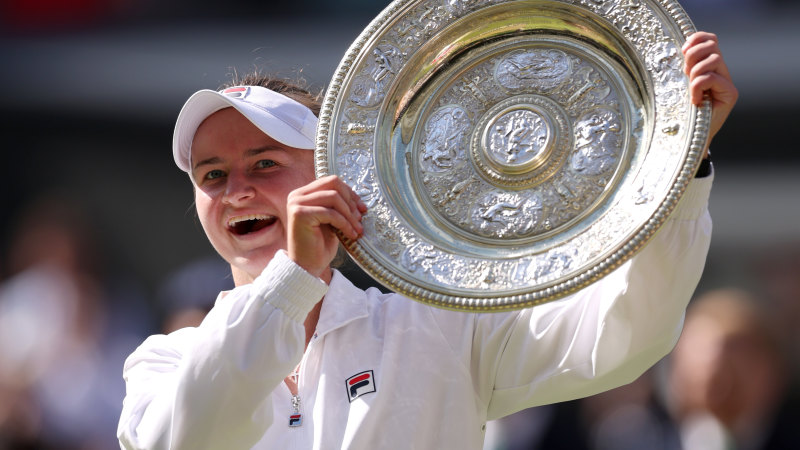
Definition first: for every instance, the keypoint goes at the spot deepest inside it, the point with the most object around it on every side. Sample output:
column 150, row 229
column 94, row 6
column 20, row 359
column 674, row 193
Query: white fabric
column 439, row 375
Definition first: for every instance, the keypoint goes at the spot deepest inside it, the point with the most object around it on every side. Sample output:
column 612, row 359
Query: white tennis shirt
column 385, row 372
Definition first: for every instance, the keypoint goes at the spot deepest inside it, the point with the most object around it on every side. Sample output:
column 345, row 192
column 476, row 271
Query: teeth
column 234, row 220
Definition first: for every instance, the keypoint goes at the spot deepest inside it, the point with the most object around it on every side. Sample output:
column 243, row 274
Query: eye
column 213, row 174
column 265, row 163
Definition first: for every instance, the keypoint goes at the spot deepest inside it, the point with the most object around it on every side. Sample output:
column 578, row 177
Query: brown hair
column 298, row 90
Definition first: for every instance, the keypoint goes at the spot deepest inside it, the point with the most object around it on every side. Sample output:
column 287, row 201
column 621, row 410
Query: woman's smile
column 251, row 223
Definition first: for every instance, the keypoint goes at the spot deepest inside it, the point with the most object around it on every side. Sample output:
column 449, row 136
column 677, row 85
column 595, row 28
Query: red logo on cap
column 235, row 92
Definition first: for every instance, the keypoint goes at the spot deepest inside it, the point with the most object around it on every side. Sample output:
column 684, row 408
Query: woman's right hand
column 315, row 211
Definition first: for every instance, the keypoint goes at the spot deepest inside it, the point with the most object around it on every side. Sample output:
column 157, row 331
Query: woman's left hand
column 708, row 74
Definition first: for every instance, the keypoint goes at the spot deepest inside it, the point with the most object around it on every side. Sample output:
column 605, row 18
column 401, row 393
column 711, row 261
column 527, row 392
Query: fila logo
column 295, row 420
column 235, row 92
column 360, row 384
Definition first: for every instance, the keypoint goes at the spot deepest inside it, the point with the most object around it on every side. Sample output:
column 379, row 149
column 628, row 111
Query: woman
column 297, row 357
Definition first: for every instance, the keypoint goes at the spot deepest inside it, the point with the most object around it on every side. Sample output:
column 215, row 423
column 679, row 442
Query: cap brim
column 206, row 102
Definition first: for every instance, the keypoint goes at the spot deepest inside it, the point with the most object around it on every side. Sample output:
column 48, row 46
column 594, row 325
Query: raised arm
column 607, row 334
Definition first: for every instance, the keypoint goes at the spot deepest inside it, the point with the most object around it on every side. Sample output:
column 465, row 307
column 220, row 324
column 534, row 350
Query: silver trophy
column 511, row 152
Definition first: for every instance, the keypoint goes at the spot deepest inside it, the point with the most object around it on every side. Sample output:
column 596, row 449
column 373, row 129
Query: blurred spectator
column 779, row 273
column 188, row 294
column 61, row 348
column 727, row 383
column 556, row 426
column 631, row 417
column 725, row 386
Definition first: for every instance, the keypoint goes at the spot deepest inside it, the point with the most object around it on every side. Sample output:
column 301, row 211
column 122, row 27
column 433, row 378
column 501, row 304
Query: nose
column 237, row 189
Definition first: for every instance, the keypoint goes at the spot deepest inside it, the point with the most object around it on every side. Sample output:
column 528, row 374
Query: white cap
column 283, row 119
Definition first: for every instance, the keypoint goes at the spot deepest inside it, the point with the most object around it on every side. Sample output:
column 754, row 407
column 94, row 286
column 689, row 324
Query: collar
column 343, row 303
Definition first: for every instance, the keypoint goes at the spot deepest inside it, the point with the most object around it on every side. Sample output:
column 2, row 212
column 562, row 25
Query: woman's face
column 242, row 178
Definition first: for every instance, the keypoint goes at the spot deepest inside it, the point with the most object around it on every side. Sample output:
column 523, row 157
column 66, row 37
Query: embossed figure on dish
column 667, row 67
column 360, row 178
column 444, row 136
column 598, row 142
column 419, row 257
column 517, row 137
column 506, row 215
column 369, row 89
column 533, row 69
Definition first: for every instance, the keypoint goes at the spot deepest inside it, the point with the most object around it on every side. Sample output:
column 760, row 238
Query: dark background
column 90, row 90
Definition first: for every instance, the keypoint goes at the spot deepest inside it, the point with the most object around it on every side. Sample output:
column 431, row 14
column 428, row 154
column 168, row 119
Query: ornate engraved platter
column 511, row 152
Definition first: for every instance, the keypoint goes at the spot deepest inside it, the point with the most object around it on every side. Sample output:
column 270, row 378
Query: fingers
column 709, row 75
column 328, row 201
column 721, row 88
column 698, row 38
column 711, row 63
column 327, row 207
column 352, row 202
column 702, row 55
column 314, row 211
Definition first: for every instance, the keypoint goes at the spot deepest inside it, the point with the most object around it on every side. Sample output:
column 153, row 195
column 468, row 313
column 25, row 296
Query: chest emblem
column 360, row 384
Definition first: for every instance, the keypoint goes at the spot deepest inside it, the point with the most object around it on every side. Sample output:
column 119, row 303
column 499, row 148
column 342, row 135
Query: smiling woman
column 242, row 181
column 296, row 356
column 246, row 148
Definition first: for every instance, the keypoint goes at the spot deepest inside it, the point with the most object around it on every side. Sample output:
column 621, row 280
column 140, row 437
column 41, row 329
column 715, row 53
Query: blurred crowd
column 68, row 320
column 67, row 323
column 731, row 383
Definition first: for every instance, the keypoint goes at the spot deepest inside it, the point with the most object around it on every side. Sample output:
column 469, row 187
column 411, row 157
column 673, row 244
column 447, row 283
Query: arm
column 609, row 333
column 605, row 335
column 210, row 387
